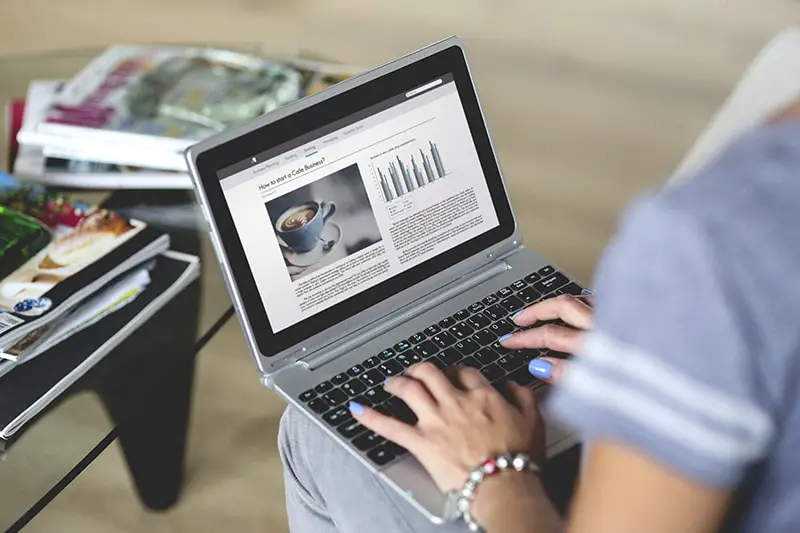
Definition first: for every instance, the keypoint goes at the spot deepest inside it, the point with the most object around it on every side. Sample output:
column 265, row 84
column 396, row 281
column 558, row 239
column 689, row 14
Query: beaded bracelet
column 459, row 502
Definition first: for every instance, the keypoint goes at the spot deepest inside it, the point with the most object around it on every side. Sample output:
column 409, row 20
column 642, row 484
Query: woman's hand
column 575, row 311
column 460, row 422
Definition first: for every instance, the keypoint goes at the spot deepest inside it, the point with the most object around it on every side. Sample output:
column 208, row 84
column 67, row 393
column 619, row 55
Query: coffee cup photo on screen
column 323, row 222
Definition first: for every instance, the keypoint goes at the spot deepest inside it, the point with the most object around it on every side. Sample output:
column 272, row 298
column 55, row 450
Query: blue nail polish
column 587, row 292
column 515, row 315
column 540, row 368
column 385, row 381
column 355, row 408
column 504, row 337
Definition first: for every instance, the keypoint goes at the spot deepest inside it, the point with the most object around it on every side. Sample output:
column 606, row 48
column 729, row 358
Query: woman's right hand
column 575, row 311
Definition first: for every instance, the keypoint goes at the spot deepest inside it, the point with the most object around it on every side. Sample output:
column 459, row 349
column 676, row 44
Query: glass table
column 144, row 385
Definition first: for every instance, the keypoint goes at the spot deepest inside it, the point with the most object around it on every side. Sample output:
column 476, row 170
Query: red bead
column 489, row 467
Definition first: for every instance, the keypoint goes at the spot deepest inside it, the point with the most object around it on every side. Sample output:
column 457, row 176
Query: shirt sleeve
column 666, row 370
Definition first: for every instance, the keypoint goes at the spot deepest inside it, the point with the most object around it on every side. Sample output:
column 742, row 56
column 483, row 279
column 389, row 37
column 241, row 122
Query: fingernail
column 504, row 337
column 385, row 381
column 587, row 292
column 540, row 368
column 355, row 408
column 515, row 315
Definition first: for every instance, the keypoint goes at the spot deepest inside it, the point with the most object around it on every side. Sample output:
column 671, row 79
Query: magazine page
column 391, row 188
column 54, row 253
column 112, row 298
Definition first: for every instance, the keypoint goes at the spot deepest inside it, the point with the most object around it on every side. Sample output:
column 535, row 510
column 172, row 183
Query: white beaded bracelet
column 458, row 502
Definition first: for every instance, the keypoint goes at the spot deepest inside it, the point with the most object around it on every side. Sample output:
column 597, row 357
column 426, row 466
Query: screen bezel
column 208, row 163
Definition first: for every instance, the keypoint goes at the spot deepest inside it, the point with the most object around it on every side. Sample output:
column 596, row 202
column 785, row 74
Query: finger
column 468, row 378
column 548, row 369
column 550, row 336
column 413, row 393
column 572, row 310
column 522, row 398
column 434, row 380
column 391, row 428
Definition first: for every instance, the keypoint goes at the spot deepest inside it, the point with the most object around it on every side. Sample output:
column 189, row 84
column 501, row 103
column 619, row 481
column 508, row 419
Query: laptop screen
column 343, row 208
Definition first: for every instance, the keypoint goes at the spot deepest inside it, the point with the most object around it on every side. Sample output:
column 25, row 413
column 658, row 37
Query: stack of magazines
column 126, row 118
column 63, row 267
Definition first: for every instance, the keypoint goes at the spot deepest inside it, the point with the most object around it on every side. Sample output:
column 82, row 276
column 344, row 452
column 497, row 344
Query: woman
column 685, row 384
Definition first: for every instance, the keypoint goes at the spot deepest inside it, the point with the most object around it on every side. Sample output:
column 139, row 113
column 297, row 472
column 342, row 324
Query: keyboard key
column 388, row 353
column 351, row 429
column 500, row 349
column 371, row 362
column 484, row 337
column 335, row 397
column 461, row 315
column 363, row 400
column 461, row 331
column 377, row 395
column 573, row 289
column 490, row 300
column 467, row 347
column 396, row 449
column 501, row 327
column 528, row 295
column 391, row 368
column 478, row 321
column 383, row 410
column 356, row 370
column 551, row 283
column 546, row 271
column 486, row 356
column 323, row 387
column 367, row 441
column 527, row 355
column 512, row 304
column 401, row 346
column 476, row 307
column 416, row 338
column 307, row 395
column 446, row 322
column 338, row 416
column 470, row 361
column 443, row 339
column 373, row 377
column 426, row 349
column 505, row 292
column 494, row 313
column 532, row 278
column 438, row 363
column 450, row 356
column 405, row 359
column 522, row 376
column 519, row 285
column 400, row 410
column 509, row 362
column 380, row 455
column 432, row 330
column 493, row 372
column 354, row 387
column 318, row 405
column 338, row 379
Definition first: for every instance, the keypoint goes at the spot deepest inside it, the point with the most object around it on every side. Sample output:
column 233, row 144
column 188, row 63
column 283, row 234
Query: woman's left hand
column 458, row 426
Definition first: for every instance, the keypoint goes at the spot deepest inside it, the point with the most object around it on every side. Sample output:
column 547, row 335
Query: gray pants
column 329, row 491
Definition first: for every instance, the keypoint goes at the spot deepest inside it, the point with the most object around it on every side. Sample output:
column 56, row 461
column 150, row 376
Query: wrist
column 505, row 492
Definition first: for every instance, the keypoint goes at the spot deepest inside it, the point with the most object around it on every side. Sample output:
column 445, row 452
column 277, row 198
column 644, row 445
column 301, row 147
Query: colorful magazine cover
column 54, row 253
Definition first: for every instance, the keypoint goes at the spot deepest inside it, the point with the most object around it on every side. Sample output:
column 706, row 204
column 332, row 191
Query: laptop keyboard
column 468, row 338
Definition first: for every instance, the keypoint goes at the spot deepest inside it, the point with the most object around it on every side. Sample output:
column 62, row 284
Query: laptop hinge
column 379, row 327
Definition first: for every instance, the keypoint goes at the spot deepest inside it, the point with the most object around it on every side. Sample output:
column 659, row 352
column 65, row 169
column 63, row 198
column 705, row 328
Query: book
column 31, row 163
column 14, row 113
column 144, row 105
column 54, row 253
column 771, row 82
column 34, row 385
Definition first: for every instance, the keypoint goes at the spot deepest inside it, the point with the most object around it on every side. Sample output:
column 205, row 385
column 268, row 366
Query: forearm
column 514, row 502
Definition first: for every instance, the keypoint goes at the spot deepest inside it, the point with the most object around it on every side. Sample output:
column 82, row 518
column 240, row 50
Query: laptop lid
column 334, row 211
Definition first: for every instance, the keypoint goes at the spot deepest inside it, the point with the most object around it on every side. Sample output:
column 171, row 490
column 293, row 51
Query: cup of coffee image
column 300, row 226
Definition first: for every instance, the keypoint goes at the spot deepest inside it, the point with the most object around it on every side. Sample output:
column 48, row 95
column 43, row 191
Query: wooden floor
column 589, row 102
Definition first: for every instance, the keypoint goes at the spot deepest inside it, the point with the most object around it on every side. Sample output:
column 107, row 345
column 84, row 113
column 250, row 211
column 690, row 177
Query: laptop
column 366, row 228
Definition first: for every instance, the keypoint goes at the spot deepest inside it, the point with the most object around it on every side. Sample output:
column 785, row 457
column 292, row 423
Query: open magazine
column 144, row 105
column 55, row 253
column 33, row 165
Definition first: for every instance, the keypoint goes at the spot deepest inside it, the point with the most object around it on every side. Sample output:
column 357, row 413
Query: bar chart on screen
column 407, row 167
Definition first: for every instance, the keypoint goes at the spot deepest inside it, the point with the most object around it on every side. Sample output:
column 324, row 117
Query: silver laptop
column 366, row 228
